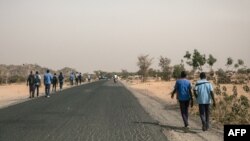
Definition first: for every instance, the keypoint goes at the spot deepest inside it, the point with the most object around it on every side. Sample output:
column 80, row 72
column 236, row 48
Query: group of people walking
column 77, row 77
column 34, row 82
column 203, row 92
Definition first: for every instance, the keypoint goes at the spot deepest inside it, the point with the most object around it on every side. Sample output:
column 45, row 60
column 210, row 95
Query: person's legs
column 30, row 90
column 184, row 111
column 37, row 90
column 48, row 90
column 202, row 116
column 61, row 85
column 207, row 112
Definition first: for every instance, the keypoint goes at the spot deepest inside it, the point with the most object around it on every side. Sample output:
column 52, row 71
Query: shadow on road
column 169, row 127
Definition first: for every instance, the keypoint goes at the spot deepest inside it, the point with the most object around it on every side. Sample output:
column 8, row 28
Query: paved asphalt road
column 99, row 111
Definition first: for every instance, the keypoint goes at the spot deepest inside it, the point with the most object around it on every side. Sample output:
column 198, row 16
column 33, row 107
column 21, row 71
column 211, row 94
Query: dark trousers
column 54, row 87
column 61, row 85
column 47, row 89
column 184, row 111
column 32, row 90
column 204, row 115
column 37, row 90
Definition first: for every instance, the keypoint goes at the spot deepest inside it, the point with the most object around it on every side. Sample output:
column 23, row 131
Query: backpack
column 37, row 80
column 60, row 77
column 54, row 80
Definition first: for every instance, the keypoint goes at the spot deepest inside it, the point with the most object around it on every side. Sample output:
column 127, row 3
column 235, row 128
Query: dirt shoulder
column 166, row 112
column 17, row 93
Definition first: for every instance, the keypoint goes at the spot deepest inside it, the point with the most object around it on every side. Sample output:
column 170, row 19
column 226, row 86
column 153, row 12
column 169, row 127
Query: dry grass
column 220, row 114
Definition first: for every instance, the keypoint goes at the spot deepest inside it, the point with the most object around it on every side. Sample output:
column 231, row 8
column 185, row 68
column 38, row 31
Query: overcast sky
column 110, row 34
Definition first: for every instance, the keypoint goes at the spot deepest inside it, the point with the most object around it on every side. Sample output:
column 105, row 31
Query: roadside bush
column 246, row 88
column 16, row 79
column 223, row 78
column 231, row 109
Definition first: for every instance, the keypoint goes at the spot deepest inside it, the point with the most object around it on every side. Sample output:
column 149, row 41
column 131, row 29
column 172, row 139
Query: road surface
column 99, row 111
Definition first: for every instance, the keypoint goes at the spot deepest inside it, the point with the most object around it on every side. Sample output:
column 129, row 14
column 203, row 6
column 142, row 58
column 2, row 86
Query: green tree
column 210, row 61
column 229, row 62
column 144, row 62
column 124, row 74
column 165, row 67
column 195, row 60
column 177, row 69
column 240, row 62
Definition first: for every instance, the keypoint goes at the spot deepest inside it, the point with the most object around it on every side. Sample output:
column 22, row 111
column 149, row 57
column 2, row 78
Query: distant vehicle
column 103, row 78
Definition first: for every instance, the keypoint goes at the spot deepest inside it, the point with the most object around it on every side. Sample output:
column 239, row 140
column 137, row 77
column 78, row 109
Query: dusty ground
column 155, row 97
column 15, row 93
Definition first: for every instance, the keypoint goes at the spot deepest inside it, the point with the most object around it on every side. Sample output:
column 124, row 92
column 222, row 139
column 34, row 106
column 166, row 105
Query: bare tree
column 144, row 62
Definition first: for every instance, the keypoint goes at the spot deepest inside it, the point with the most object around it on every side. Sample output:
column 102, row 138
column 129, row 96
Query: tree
column 195, row 60
column 210, row 61
column 165, row 67
column 144, row 62
column 177, row 69
column 229, row 62
column 236, row 66
column 240, row 62
column 124, row 74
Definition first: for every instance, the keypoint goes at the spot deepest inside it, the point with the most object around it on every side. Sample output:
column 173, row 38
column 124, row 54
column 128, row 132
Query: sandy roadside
column 17, row 93
column 166, row 112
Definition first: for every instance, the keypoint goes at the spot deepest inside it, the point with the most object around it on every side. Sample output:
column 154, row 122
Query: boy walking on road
column 184, row 95
column 204, row 93
column 54, row 82
column 37, row 83
column 31, row 84
column 47, row 83
column 61, row 79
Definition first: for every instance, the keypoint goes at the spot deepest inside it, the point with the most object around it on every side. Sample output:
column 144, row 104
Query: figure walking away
column 61, row 80
column 71, row 78
column 80, row 78
column 31, row 84
column 203, row 92
column 47, row 83
column 184, row 96
column 54, row 82
column 37, row 82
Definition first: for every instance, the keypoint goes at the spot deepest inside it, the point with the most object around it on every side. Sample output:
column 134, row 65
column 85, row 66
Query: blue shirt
column 47, row 78
column 183, row 87
column 203, row 89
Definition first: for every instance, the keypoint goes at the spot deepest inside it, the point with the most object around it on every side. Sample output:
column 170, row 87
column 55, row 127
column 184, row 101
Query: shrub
column 246, row 88
column 223, row 78
column 16, row 79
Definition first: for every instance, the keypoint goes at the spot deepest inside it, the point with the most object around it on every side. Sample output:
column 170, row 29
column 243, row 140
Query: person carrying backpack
column 31, row 84
column 54, row 82
column 61, row 79
column 37, row 83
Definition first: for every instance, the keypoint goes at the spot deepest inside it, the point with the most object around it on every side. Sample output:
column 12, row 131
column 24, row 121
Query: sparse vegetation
column 144, row 62
column 166, row 69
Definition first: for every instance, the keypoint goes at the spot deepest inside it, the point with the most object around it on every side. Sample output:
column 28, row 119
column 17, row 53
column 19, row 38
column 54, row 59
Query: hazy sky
column 109, row 34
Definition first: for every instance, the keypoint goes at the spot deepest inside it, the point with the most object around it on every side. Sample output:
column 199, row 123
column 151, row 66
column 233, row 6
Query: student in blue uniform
column 184, row 96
